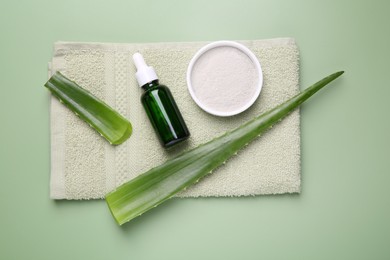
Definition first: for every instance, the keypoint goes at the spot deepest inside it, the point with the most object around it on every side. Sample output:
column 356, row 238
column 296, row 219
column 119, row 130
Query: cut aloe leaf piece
column 100, row 116
column 159, row 184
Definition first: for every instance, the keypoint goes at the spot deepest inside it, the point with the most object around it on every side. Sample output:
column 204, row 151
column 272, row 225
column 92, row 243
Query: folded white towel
column 84, row 166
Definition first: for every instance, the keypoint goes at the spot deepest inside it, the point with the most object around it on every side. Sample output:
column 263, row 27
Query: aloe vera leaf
column 109, row 123
column 159, row 184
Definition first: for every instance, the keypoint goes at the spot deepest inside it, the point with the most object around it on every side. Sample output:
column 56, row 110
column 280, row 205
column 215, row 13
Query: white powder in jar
column 224, row 79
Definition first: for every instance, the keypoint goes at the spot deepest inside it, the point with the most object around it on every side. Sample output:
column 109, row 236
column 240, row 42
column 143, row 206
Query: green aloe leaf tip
column 100, row 116
column 162, row 182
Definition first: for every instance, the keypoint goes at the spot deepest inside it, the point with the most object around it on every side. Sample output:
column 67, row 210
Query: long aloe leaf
column 159, row 184
column 110, row 124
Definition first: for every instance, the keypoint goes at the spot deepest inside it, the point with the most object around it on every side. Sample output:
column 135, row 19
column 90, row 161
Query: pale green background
column 343, row 211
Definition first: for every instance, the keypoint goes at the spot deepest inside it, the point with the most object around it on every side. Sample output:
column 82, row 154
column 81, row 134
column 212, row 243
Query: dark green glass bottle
column 160, row 106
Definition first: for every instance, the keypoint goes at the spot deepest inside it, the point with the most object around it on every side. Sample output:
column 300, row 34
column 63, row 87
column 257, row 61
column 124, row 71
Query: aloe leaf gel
column 100, row 116
column 159, row 184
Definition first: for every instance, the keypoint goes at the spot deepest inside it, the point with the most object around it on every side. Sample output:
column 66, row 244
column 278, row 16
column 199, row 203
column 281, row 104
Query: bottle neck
column 150, row 85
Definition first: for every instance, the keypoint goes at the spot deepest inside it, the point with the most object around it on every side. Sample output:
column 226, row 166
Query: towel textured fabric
column 85, row 166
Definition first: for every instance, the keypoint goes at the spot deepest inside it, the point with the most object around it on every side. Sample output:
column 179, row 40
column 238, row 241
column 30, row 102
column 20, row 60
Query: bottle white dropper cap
column 145, row 73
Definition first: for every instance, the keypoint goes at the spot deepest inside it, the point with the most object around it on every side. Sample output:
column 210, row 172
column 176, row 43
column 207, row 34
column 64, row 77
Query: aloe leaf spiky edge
column 100, row 116
column 159, row 184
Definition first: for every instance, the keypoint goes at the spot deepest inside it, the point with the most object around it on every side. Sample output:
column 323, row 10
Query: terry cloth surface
column 85, row 166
